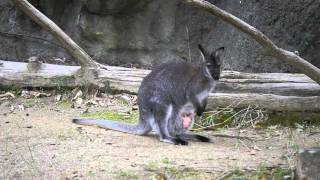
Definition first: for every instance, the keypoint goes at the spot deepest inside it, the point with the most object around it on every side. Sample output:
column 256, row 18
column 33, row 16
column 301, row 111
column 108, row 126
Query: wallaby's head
column 211, row 61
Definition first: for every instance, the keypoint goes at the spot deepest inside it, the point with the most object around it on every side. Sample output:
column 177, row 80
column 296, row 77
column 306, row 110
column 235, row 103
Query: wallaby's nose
column 216, row 77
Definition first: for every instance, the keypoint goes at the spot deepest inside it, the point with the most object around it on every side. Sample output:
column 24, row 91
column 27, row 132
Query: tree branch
column 270, row 48
column 76, row 51
column 25, row 36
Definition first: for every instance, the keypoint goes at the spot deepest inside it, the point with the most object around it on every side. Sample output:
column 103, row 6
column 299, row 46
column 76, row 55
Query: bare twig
column 313, row 133
column 231, row 136
column 25, row 36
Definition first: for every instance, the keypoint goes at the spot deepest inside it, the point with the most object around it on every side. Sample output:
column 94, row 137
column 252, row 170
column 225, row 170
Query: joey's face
column 187, row 119
column 187, row 115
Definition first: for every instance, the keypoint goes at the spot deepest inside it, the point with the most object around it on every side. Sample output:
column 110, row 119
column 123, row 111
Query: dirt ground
column 38, row 141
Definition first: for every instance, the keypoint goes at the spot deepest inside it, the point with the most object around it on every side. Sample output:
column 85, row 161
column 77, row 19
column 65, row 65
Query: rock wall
column 148, row 32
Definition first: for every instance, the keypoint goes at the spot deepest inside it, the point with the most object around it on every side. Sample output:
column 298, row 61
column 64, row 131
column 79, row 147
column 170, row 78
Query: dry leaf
column 12, row 108
column 21, row 107
column 91, row 102
column 7, row 94
column 39, row 94
column 79, row 101
column 252, row 152
column 78, row 95
column 58, row 97
column 25, row 94
column 262, row 178
column 255, row 147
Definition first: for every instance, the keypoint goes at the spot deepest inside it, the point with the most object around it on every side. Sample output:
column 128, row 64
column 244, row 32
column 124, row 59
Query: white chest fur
column 205, row 93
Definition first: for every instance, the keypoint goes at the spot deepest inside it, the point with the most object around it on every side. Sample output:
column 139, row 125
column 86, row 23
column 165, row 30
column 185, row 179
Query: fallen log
column 129, row 79
column 279, row 88
column 274, row 91
column 270, row 102
column 235, row 76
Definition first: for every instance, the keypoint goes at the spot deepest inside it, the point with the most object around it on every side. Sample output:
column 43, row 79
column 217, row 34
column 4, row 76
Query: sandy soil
column 40, row 142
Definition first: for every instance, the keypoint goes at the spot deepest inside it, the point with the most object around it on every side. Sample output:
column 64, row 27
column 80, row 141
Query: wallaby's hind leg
column 160, row 125
column 169, row 139
column 194, row 137
column 144, row 118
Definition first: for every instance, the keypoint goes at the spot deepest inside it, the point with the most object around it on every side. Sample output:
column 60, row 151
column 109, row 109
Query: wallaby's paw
column 166, row 140
column 181, row 142
column 75, row 121
column 174, row 141
column 203, row 138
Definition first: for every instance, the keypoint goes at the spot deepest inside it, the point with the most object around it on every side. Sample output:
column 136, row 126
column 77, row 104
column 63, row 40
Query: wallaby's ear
column 217, row 54
column 203, row 53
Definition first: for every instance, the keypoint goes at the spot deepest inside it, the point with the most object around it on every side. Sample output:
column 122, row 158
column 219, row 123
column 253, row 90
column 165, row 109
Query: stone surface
column 148, row 32
column 308, row 164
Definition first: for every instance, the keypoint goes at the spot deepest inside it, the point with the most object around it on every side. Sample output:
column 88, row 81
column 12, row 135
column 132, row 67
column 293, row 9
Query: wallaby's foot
column 181, row 142
column 195, row 137
column 203, row 138
column 175, row 141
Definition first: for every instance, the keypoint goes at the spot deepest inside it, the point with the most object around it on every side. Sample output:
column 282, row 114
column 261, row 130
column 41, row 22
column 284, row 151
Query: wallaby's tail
column 139, row 129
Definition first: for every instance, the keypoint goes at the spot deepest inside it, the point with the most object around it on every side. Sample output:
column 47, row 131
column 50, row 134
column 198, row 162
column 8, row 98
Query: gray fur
column 169, row 90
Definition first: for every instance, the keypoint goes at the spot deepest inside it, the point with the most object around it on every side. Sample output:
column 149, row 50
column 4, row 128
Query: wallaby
column 169, row 99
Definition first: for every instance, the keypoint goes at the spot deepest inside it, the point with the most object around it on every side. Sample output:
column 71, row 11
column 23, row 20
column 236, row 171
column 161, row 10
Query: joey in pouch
column 170, row 98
